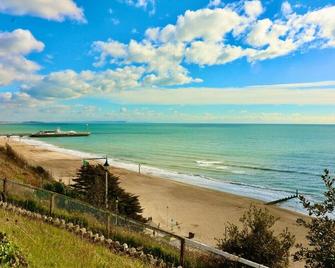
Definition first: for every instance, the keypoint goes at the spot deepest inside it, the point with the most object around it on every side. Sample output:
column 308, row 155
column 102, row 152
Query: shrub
column 56, row 187
column 256, row 241
column 321, row 229
column 41, row 172
column 60, row 188
column 10, row 255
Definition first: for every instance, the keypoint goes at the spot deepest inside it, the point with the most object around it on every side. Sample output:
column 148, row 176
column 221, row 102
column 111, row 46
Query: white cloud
column 14, row 46
column 286, row 8
column 41, row 102
column 205, row 53
column 235, row 116
column 253, row 8
column 322, row 23
column 162, row 63
column 57, row 10
column 208, row 24
column 11, row 100
column 218, row 36
column 149, row 5
column 115, row 21
column 284, row 37
column 257, row 39
column 111, row 49
column 292, row 94
column 214, row 3
column 63, row 84
column 69, row 84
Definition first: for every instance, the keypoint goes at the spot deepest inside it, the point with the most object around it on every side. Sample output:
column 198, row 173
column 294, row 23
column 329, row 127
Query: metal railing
column 163, row 244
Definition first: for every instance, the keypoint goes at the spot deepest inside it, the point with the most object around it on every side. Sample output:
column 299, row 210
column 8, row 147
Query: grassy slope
column 9, row 169
column 48, row 246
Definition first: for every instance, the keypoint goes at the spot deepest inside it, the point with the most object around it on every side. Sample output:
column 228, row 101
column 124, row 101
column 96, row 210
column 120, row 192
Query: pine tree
column 89, row 185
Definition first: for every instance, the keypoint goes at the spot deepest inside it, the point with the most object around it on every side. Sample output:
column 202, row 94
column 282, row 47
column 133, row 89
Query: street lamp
column 116, row 209
column 106, row 165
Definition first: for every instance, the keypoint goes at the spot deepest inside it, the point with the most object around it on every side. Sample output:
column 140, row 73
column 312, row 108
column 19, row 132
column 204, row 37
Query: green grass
column 133, row 238
column 157, row 247
column 46, row 246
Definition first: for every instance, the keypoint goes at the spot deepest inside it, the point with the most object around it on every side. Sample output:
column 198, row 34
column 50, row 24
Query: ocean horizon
column 261, row 161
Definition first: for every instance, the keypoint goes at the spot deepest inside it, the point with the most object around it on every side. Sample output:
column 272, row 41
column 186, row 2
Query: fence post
column 5, row 189
column 108, row 225
column 52, row 204
column 182, row 252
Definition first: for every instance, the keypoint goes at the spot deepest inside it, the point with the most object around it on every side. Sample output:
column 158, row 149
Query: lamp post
column 116, row 209
column 106, row 165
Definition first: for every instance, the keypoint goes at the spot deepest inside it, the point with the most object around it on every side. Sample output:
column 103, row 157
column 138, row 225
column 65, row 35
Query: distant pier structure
column 48, row 134
column 8, row 135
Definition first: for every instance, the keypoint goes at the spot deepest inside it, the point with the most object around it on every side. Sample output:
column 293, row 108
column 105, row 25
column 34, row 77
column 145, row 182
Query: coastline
column 241, row 189
column 197, row 209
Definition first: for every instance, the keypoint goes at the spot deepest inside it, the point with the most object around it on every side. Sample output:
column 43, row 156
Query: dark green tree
column 320, row 251
column 89, row 185
column 256, row 240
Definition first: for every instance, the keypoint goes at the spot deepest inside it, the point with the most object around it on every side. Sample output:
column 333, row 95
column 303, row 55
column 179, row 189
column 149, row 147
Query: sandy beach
column 201, row 211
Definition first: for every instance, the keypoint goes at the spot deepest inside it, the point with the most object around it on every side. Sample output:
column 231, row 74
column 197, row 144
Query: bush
column 10, row 255
column 256, row 241
column 60, row 188
column 56, row 187
column 321, row 229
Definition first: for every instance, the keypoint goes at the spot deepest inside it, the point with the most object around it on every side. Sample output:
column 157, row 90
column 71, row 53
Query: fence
column 165, row 245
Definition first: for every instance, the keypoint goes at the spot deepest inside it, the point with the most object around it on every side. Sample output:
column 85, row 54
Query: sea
column 265, row 162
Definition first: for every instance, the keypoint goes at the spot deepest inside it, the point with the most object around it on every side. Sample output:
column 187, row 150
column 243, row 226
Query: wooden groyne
column 283, row 199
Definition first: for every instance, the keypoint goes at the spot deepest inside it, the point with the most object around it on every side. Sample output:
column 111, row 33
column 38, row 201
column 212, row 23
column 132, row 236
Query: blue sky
column 168, row 61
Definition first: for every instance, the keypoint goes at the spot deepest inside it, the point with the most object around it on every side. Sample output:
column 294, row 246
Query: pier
column 8, row 135
column 283, row 199
column 47, row 134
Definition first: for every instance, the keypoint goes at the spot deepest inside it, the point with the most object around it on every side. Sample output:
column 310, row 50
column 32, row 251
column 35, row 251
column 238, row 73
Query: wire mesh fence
column 168, row 246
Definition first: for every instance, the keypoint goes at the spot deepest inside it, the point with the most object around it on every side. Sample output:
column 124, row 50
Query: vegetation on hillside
column 15, row 166
column 320, row 251
column 10, row 255
column 256, row 240
column 38, row 201
column 48, row 246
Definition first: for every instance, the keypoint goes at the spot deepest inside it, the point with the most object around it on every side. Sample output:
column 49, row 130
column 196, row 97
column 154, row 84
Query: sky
column 206, row 61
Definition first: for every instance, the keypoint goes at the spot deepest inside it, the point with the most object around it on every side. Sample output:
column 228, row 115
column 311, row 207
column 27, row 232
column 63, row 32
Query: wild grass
column 15, row 166
column 46, row 246
column 133, row 235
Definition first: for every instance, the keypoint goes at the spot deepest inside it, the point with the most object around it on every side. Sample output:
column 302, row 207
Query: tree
column 256, row 241
column 89, row 185
column 321, row 228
